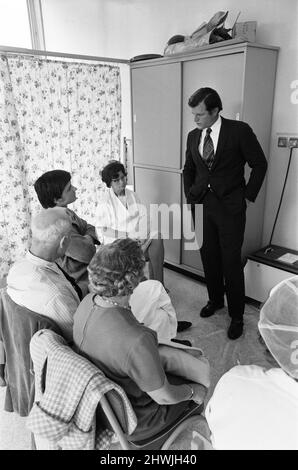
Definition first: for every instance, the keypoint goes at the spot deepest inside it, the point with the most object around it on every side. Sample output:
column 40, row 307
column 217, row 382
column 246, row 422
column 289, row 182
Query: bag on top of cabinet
column 206, row 33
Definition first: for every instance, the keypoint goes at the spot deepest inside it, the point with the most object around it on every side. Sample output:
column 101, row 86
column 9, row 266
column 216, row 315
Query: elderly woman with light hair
column 161, row 381
column 257, row 409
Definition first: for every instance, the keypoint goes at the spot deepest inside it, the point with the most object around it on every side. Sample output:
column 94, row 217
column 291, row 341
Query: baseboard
column 185, row 272
column 197, row 277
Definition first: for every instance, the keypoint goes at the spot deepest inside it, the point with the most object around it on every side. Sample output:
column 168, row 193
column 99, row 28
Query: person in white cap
column 254, row 408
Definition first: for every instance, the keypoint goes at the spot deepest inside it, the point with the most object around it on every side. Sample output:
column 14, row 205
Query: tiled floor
column 188, row 297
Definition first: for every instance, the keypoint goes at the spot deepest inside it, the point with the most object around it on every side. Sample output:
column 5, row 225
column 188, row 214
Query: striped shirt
column 40, row 286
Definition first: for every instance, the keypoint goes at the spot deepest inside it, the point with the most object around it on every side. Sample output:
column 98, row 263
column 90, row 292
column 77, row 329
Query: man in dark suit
column 216, row 154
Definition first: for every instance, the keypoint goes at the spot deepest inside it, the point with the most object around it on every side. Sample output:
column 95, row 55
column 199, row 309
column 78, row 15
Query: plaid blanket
column 64, row 411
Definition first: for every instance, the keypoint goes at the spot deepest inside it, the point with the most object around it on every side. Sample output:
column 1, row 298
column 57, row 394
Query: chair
column 17, row 326
column 110, row 413
column 112, row 416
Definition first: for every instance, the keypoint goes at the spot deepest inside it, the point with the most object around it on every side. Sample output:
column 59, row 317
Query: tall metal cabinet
column 244, row 76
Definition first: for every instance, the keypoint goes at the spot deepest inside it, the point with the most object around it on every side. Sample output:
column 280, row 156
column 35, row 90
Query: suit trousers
column 223, row 235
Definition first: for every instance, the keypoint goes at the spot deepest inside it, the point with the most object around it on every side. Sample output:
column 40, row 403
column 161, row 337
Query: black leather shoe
column 210, row 309
column 183, row 325
column 235, row 329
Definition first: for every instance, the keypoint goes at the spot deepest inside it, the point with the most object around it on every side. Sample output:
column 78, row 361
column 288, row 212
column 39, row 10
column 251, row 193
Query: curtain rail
column 36, row 52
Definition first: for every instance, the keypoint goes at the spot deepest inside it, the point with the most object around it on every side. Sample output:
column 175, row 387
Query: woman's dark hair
column 50, row 186
column 208, row 96
column 111, row 171
column 117, row 268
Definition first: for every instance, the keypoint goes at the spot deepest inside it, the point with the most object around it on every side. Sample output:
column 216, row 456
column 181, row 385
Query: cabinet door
column 190, row 254
column 225, row 75
column 156, row 101
column 162, row 188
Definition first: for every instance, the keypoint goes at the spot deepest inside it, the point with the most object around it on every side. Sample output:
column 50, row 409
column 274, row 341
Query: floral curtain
column 53, row 115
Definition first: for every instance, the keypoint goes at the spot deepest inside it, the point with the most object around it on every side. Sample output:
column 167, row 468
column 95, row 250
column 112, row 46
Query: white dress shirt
column 40, row 286
column 214, row 135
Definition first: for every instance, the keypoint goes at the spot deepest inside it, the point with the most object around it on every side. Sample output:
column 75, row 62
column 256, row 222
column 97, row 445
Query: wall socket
column 293, row 142
column 282, row 142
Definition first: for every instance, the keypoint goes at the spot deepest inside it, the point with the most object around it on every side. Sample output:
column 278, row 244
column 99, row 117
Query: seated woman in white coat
column 257, row 409
column 121, row 215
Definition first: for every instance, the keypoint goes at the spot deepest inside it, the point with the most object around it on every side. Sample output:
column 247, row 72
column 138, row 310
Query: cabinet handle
column 134, row 118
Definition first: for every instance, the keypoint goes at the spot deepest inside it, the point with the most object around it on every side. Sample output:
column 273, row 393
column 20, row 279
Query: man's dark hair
column 111, row 171
column 208, row 96
column 50, row 186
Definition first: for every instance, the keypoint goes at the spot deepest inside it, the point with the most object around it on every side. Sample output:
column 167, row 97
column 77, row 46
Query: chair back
column 17, row 326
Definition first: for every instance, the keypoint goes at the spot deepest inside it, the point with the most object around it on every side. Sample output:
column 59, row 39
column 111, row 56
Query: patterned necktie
column 208, row 149
column 72, row 281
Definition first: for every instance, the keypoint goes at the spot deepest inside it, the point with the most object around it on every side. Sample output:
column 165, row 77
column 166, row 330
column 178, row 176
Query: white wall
column 125, row 28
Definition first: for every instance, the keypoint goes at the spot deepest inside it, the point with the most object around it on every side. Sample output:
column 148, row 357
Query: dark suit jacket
column 237, row 145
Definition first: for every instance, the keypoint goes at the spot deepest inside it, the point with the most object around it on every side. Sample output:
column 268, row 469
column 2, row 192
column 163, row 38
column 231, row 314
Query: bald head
column 49, row 226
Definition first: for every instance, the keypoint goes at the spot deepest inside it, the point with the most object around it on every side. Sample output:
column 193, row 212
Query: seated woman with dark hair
column 161, row 381
column 120, row 215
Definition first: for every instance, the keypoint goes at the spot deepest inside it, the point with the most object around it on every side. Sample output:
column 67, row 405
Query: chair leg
column 33, row 443
column 182, row 426
column 114, row 423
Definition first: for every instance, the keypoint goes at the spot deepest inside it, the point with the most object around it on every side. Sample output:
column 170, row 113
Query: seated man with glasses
column 36, row 282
